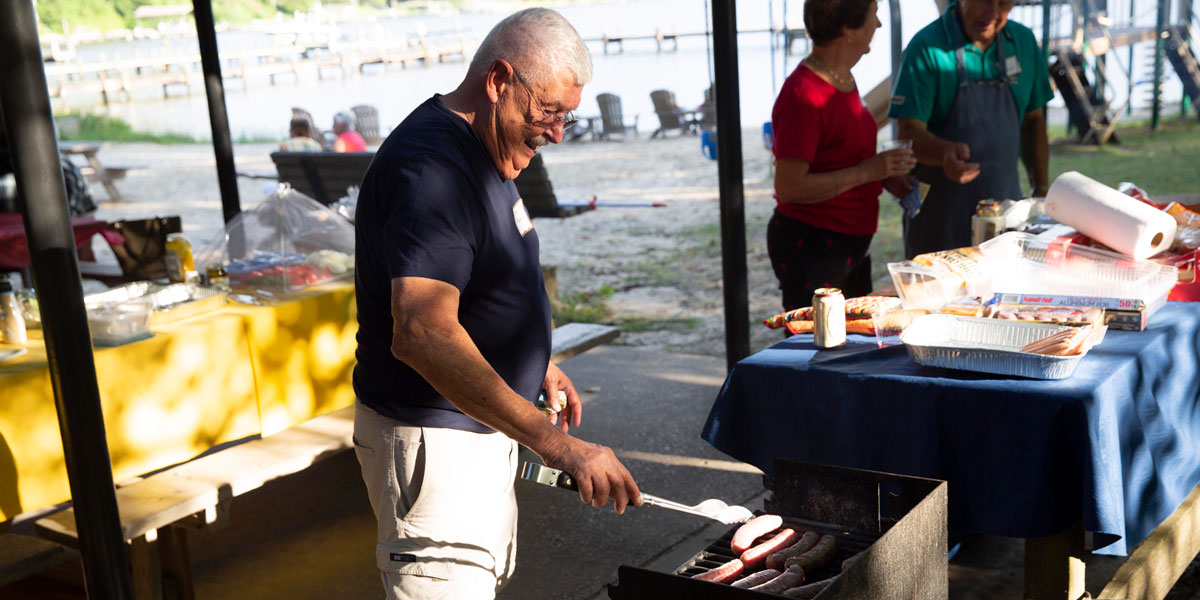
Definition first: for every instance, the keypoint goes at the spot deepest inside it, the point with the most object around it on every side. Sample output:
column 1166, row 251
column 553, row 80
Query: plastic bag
column 285, row 244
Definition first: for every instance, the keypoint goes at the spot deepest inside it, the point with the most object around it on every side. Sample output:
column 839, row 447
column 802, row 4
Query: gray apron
column 984, row 117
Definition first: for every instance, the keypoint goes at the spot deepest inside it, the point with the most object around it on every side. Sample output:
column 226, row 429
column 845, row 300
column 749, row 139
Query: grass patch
column 103, row 128
column 584, row 307
column 640, row 325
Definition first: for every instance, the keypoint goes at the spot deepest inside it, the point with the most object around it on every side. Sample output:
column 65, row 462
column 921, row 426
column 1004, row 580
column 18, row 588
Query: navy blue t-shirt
column 433, row 205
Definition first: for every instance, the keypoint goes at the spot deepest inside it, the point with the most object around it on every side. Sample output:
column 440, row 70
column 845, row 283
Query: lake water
column 260, row 109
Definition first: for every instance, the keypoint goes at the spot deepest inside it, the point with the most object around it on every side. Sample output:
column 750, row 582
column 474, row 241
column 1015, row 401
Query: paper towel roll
column 1124, row 224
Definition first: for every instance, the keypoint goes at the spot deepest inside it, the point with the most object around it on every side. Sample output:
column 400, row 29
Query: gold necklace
column 812, row 60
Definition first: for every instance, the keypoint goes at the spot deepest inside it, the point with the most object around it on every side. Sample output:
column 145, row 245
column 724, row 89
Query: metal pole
column 729, row 173
column 1129, row 93
column 787, row 40
column 771, row 27
column 1159, row 44
column 43, row 201
column 1046, row 30
column 1185, row 20
column 218, row 118
column 897, row 51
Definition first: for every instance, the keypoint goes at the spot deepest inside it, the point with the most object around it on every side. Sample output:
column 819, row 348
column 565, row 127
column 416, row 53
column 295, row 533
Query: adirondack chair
column 316, row 132
column 612, row 121
column 708, row 110
column 366, row 123
column 533, row 184
column 670, row 116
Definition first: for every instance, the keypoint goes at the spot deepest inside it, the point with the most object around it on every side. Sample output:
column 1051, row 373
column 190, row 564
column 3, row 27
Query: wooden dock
column 661, row 38
column 117, row 80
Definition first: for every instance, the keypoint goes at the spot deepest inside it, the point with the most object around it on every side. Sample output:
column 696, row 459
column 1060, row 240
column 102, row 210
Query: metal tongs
column 711, row 508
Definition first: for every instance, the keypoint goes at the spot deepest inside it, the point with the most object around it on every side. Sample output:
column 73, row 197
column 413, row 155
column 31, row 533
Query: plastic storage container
column 115, row 323
column 985, row 345
column 1023, row 263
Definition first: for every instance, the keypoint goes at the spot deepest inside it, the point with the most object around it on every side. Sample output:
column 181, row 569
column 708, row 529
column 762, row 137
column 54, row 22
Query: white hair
column 539, row 43
column 344, row 118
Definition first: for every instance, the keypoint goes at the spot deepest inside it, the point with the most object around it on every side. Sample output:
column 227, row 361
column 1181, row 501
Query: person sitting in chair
column 300, row 139
column 348, row 140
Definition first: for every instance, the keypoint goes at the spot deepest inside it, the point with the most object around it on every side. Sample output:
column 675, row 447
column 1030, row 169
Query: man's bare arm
column 427, row 336
column 1035, row 151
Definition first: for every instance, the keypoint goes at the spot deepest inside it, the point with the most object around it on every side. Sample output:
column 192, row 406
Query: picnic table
column 232, row 371
column 1110, row 450
column 14, row 248
column 95, row 171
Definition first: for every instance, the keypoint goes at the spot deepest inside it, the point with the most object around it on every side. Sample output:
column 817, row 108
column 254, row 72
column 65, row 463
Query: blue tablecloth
column 1116, row 445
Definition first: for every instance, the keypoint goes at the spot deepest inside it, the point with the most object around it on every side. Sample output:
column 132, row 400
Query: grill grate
column 720, row 552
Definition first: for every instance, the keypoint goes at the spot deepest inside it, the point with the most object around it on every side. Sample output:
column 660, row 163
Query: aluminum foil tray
column 985, row 345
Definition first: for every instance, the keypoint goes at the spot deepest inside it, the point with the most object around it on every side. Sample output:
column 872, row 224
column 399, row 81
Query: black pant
column 806, row 258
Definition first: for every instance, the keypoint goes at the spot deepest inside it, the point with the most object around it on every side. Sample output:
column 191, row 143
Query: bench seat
column 22, row 556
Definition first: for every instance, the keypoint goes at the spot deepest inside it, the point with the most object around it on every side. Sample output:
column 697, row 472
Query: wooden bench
column 22, row 556
column 158, row 510
column 322, row 176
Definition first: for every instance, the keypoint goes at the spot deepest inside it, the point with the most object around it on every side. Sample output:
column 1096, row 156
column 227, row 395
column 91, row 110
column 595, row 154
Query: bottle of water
column 14, row 320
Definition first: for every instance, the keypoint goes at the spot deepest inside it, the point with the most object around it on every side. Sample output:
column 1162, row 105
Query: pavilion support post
column 42, row 197
column 729, row 172
column 218, row 117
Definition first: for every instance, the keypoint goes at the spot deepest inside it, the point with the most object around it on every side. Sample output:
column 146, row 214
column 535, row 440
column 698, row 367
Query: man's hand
column 598, row 473
column 954, row 163
column 556, row 381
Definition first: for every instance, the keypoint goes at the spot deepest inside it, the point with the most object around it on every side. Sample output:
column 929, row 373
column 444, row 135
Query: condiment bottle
column 179, row 258
column 14, row 321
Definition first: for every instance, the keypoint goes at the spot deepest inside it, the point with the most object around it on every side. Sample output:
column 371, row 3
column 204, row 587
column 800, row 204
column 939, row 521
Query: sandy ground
column 664, row 264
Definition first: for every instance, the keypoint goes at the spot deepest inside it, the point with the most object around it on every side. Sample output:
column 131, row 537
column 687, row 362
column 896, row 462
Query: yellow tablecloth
column 225, row 374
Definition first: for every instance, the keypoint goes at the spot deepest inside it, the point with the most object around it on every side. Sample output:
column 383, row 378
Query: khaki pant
column 445, row 506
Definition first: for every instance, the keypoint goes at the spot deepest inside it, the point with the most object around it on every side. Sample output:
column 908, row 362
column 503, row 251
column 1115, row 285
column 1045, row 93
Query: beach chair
column 533, row 184
column 708, row 110
column 314, row 132
column 611, row 120
column 670, row 116
column 366, row 123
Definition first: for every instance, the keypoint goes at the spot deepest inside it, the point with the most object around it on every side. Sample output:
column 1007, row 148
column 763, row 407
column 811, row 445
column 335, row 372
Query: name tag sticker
column 897, row 100
column 521, row 217
column 1012, row 65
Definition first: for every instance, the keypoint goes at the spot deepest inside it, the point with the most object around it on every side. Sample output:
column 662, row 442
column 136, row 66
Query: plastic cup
column 889, row 324
column 895, row 145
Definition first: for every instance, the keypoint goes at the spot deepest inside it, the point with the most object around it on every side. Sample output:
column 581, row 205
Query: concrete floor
column 311, row 536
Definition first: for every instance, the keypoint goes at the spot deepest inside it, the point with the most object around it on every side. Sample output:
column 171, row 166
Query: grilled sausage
column 754, row 557
column 753, row 529
column 724, row 573
column 808, row 592
column 754, row 579
column 806, row 543
column 816, row 558
column 787, row 580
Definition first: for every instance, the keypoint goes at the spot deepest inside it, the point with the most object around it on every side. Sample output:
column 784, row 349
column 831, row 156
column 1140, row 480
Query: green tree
column 98, row 14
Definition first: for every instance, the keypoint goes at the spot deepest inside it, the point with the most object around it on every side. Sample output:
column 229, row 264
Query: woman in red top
column 828, row 177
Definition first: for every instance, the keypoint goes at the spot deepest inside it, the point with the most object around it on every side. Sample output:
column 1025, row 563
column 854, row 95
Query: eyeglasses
column 549, row 119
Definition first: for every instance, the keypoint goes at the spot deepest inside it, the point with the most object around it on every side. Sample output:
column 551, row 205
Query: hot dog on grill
column 724, row 573
column 755, row 556
column 806, row 543
column 816, row 558
column 753, row 529
column 754, row 579
column 808, row 592
column 789, row 579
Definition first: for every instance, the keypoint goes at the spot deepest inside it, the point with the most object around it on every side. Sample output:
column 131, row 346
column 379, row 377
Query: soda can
column 829, row 318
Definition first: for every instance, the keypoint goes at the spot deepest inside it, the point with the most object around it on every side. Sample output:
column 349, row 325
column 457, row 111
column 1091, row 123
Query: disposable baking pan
column 985, row 345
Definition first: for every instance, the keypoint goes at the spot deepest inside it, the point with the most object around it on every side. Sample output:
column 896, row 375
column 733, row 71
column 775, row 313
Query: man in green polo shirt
column 971, row 95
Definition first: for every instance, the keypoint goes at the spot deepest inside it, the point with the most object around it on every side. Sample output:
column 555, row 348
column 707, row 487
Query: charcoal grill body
column 897, row 522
